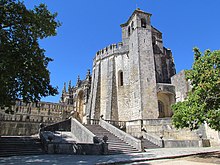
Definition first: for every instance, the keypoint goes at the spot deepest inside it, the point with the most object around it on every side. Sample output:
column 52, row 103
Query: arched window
column 129, row 30
column 143, row 22
column 120, row 78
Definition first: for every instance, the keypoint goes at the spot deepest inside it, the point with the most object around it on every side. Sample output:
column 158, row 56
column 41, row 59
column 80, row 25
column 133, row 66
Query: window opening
column 143, row 23
column 132, row 26
column 121, row 81
column 129, row 31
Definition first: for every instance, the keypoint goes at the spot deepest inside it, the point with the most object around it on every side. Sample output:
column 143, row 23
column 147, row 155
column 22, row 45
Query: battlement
column 111, row 49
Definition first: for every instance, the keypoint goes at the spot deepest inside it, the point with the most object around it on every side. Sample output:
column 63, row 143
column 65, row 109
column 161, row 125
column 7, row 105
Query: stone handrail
column 93, row 121
column 81, row 133
column 122, row 135
column 118, row 124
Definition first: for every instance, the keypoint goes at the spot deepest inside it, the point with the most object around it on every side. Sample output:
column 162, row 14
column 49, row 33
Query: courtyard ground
column 164, row 156
column 212, row 158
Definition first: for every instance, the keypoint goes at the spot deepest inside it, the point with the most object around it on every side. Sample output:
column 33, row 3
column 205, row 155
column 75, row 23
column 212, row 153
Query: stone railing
column 119, row 124
column 93, row 121
column 154, row 139
column 81, row 133
column 122, row 135
column 164, row 87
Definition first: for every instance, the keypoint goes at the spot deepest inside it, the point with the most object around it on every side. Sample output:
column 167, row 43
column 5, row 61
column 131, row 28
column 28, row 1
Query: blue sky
column 90, row 25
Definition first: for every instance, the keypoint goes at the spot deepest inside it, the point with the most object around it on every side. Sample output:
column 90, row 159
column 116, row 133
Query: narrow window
column 132, row 25
column 121, row 81
column 129, row 31
column 143, row 22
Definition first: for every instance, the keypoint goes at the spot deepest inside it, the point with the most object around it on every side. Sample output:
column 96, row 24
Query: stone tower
column 126, row 75
column 137, row 35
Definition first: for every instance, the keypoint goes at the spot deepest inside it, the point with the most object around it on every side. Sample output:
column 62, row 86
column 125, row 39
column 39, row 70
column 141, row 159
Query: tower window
column 132, row 25
column 120, row 78
column 143, row 22
column 129, row 30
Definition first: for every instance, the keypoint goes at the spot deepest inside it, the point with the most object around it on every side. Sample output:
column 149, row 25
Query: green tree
column 23, row 64
column 203, row 102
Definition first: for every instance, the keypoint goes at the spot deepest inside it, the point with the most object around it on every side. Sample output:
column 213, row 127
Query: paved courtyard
column 211, row 158
column 153, row 156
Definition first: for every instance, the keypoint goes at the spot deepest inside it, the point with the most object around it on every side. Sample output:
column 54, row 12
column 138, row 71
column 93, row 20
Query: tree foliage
column 23, row 64
column 203, row 102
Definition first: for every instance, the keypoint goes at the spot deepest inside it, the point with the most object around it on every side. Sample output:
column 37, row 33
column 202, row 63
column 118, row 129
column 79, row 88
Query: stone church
column 130, row 80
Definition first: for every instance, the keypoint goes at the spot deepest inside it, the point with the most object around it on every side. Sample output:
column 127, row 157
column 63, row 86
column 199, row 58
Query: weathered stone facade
column 130, row 80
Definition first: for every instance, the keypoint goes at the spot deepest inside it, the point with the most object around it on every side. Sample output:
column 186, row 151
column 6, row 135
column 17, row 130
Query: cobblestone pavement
column 161, row 155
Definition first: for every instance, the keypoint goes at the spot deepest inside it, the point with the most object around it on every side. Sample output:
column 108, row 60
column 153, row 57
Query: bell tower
column 137, row 36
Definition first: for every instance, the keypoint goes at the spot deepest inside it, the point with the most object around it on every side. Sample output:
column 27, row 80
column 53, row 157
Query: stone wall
column 18, row 128
column 182, row 86
column 161, row 127
column 213, row 135
column 21, row 125
column 75, row 149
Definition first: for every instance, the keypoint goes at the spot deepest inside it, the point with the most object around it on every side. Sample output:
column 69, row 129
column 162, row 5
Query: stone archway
column 164, row 104
column 80, row 106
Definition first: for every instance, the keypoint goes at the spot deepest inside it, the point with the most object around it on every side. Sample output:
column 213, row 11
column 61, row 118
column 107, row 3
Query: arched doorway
column 80, row 106
column 164, row 104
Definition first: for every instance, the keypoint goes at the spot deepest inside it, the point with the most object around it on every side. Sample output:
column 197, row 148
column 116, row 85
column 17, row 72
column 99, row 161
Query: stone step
column 11, row 146
column 113, row 152
column 115, row 144
column 6, row 154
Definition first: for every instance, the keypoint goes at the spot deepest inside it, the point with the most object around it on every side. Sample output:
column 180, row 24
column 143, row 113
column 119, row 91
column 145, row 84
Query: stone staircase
column 115, row 144
column 20, row 145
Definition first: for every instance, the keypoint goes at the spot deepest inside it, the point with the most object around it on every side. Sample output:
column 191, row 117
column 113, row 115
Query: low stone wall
column 18, row 128
column 213, row 135
column 75, row 149
column 122, row 135
column 181, row 143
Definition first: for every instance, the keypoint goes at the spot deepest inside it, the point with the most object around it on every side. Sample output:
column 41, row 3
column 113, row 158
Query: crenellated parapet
column 110, row 50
